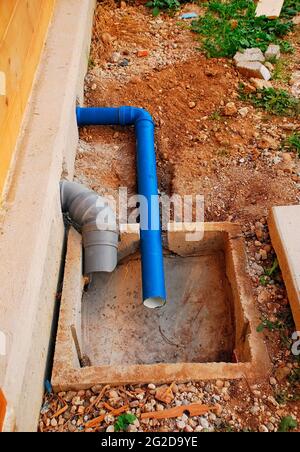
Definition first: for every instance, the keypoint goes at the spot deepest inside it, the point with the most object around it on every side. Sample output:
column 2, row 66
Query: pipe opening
column 154, row 302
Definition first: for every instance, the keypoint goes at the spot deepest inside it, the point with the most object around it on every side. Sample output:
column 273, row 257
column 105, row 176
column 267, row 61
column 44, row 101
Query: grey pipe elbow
column 97, row 222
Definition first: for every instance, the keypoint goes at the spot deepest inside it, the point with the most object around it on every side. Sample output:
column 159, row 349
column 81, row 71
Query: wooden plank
column 20, row 49
column 269, row 8
column 284, row 225
column 6, row 12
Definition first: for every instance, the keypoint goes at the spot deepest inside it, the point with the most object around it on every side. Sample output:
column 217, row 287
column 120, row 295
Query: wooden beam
column 269, row 8
column 23, row 27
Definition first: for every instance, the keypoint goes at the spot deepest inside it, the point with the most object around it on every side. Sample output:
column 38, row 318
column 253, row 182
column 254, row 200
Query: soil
column 235, row 161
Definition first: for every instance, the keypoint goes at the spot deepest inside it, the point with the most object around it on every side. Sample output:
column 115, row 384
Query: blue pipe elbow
column 153, row 279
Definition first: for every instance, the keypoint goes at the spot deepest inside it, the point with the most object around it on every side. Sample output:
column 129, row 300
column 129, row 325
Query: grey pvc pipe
column 97, row 221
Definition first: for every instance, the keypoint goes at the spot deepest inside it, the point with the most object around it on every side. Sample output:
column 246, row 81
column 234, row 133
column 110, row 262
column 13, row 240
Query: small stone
column 260, row 84
column 106, row 38
column 211, row 72
column 218, row 409
column 95, row 389
column 230, row 109
column 243, row 111
column 273, row 381
column 113, row 394
column 263, row 428
column 180, row 425
column 132, row 428
column 151, row 386
column 53, row 422
column 204, row 422
column 124, row 62
column 286, row 157
column 254, row 69
column 296, row 20
column 110, row 429
column 219, row 384
column 254, row 410
column 115, row 57
column 272, row 52
column 123, row 4
column 281, row 373
column 249, row 55
column 192, row 104
column 264, row 254
column 188, row 429
column 256, row 393
column 70, row 395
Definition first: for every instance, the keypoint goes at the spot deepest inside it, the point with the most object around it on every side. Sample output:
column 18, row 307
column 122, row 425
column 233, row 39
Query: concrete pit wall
column 32, row 230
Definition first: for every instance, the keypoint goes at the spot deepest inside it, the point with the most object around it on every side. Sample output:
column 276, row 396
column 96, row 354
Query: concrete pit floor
column 195, row 325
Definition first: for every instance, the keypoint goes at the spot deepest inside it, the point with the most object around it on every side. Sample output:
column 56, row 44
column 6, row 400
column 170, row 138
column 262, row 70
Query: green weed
column 123, row 421
column 163, row 5
column 292, row 143
column 274, row 101
column 229, row 26
column 287, row 423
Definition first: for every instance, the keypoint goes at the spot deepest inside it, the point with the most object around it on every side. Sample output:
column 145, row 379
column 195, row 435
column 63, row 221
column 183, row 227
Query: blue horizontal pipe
column 153, row 279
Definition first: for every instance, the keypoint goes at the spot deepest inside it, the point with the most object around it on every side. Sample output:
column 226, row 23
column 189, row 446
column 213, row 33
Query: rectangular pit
column 207, row 329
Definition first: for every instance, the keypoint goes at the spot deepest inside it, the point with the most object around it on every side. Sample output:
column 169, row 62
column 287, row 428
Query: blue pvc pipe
column 153, row 279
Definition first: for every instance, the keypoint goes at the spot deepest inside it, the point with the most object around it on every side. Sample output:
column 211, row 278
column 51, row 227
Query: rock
column 286, row 157
column 70, row 395
column 270, row 427
column 106, row 38
column 123, row 4
column 267, row 143
column 124, row 62
column 192, row 104
column 281, row 373
column 211, row 72
column 53, row 422
column 204, row 422
column 263, row 428
column 180, row 425
column 230, row 109
column 264, row 254
column 115, row 57
column 260, row 84
column 188, row 429
column 243, row 111
column 219, row 384
column 296, row 20
column 110, row 429
column 249, row 55
column 132, row 428
column 94, row 86
column 113, row 394
column 218, row 409
column 258, row 269
column 81, row 410
column 272, row 52
column 254, row 69
column 254, row 410
column 151, row 386
column 273, row 381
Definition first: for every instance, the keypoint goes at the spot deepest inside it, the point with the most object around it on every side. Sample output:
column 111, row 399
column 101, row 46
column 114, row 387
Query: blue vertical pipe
column 153, row 279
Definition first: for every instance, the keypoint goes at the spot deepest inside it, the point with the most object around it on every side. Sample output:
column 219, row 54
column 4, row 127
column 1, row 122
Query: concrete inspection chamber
column 206, row 330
